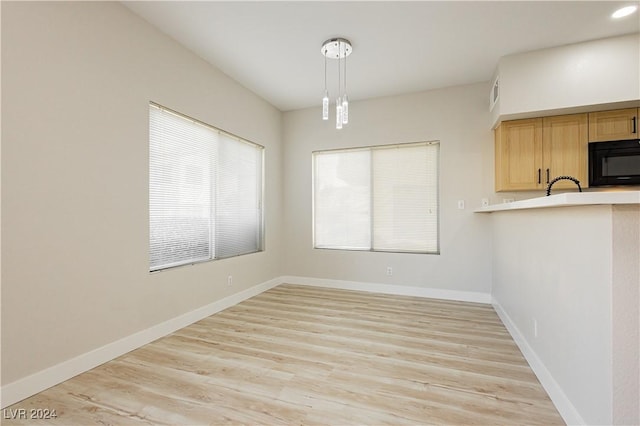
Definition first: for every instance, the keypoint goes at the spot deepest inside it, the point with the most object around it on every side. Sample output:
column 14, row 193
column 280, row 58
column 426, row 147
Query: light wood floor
column 313, row 356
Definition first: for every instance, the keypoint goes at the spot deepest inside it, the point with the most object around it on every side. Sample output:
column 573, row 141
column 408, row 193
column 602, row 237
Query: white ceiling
column 273, row 48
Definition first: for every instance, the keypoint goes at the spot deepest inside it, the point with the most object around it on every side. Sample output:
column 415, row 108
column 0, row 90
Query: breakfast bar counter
column 567, row 199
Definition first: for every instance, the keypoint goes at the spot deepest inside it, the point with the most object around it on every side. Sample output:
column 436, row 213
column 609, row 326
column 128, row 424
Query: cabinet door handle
column 547, row 175
column 539, row 176
column 634, row 129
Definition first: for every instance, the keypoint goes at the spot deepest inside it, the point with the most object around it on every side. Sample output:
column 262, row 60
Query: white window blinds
column 205, row 192
column 238, row 217
column 379, row 198
column 342, row 195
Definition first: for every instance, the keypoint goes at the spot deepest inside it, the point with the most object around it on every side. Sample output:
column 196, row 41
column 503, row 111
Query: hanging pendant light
column 325, row 99
column 339, row 100
column 337, row 48
column 325, row 106
column 345, row 109
column 345, row 99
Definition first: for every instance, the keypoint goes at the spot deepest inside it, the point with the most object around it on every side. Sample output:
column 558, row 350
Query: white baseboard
column 37, row 382
column 432, row 293
column 564, row 406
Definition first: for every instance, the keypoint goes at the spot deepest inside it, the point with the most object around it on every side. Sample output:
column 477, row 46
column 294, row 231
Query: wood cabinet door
column 518, row 153
column 565, row 150
column 613, row 125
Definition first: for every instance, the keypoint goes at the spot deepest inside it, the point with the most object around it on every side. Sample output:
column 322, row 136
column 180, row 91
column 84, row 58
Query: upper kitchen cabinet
column 518, row 151
column 532, row 152
column 613, row 125
column 565, row 149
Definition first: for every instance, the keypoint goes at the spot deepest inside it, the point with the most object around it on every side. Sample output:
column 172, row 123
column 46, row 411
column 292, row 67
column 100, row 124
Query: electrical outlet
column 485, row 202
column 389, row 270
column 461, row 204
column 230, row 280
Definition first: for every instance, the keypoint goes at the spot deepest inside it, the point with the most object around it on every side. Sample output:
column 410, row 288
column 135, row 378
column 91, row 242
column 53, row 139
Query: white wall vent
column 494, row 94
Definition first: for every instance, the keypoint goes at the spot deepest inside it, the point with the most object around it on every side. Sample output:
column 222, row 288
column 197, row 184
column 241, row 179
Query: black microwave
column 614, row 163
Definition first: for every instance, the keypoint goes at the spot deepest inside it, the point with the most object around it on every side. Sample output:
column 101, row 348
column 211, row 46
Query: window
column 205, row 192
column 381, row 198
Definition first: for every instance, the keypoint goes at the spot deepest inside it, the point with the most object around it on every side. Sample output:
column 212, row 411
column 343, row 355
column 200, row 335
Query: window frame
column 260, row 191
column 371, row 148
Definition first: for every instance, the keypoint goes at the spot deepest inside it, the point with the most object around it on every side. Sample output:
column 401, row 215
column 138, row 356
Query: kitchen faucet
column 571, row 178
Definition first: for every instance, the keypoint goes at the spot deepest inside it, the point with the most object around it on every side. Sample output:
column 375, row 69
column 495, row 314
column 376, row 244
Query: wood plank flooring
column 314, row 356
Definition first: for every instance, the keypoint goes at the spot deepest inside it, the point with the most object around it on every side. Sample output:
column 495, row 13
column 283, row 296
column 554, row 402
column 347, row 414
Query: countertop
column 567, row 199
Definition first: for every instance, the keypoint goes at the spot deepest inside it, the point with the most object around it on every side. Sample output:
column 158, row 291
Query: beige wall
column 76, row 82
column 459, row 118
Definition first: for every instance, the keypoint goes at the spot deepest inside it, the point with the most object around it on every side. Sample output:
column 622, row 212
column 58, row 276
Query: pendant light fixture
column 325, row 99
column 337, row 48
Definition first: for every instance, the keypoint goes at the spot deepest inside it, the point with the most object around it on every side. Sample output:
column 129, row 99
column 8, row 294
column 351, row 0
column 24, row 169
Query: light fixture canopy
column 337, row 48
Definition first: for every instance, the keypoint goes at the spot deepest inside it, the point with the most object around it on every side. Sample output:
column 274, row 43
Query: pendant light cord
column 339, row 63
column 345, row 70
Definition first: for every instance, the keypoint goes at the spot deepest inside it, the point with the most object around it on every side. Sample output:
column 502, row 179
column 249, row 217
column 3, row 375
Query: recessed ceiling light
column 624, row 11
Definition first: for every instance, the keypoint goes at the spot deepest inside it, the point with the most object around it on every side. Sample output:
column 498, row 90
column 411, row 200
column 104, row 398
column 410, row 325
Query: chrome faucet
column 571, row 178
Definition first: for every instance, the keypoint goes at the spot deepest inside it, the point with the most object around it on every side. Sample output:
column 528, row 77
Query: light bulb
column 325, row 106
column 339, row 114
column 345, row 109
